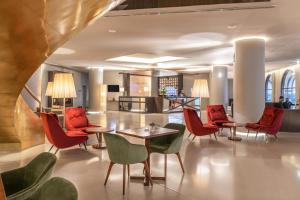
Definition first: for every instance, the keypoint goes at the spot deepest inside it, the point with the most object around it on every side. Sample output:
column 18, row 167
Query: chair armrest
column 175, row 145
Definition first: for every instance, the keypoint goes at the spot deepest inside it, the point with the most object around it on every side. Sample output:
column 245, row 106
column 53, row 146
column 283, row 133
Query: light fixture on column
column 146, row 90
column 200, row 89
column 122, row 90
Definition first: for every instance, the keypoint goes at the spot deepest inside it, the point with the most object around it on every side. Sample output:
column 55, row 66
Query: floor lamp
column 64, row 87
column 200, row 89
column 49, row 91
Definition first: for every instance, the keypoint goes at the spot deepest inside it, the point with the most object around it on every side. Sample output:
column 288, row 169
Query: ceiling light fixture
column 232, row 26
column 64, row 51
column 265, row 38
column 145, row 59
column 112, row 31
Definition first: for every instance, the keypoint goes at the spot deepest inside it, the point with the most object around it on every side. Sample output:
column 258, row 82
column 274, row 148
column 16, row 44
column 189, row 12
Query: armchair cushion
column 55, row 189
column 21, row 183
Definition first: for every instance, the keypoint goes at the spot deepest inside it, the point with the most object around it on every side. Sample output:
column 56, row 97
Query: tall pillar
column 219, row 86
column 95, row 82
column 249, row 79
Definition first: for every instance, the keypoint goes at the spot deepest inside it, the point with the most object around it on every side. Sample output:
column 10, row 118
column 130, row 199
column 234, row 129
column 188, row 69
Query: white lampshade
column 200, row 88
column 122, row 89
column 49, row 89
column 63, row 86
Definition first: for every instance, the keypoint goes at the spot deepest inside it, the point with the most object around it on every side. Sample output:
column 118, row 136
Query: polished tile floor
column 247, row 170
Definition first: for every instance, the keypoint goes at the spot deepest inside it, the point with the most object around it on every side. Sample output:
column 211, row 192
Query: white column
column 95, row 82
column 249, row 80
column 219, row 86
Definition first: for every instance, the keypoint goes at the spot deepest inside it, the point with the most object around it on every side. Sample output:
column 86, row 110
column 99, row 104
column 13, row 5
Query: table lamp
column 200, row 89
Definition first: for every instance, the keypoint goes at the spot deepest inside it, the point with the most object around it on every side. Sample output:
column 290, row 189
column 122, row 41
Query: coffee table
column 98, row 131
column 234, row 126
column 2, row 191
column 147, row 134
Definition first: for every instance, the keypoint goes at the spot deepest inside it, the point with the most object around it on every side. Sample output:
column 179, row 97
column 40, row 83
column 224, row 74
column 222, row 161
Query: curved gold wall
column 30, row 30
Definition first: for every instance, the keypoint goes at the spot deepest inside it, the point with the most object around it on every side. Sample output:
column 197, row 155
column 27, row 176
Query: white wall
column 113, row 78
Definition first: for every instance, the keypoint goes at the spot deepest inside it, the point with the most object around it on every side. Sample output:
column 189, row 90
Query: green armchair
column 21, row 183
column 169, row 144
column 122, row 152
column 55, row 189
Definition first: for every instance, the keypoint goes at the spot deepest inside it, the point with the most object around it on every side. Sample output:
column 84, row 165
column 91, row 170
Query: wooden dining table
column 2, row 191
column 147, row 133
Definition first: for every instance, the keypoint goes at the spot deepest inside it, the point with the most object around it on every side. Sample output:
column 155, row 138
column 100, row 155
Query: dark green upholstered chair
column 122, row 152
column 55, row 189
column 169, row 144
column 21, row 183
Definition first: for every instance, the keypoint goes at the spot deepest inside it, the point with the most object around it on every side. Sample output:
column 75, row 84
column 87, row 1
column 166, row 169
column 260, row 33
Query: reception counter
column 291, row 121
column 141, row 104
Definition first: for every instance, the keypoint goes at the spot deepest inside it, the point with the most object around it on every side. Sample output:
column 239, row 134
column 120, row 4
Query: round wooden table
column 234, row 126
column 98, row 131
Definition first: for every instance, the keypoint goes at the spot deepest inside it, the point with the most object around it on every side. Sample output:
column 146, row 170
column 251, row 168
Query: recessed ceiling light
column 232, row 26
column 112, row 31
column 64, row 51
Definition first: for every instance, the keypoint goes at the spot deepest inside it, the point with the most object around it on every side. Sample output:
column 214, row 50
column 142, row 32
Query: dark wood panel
column 142, row 4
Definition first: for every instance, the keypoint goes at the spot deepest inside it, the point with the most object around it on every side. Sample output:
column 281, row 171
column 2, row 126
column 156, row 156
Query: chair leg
column 248, row 133
column 84, row 146
column 193, row 138
column 165, row 167
column 124, row 178
column 189, row 135
column 276, row 138
column 51, row 148
column 128, row 171
column 56, row 151
column 180, row 161
column 256, row 135
column 148, row 172
column 210, row 136
column 108, row 172
column 215, row 136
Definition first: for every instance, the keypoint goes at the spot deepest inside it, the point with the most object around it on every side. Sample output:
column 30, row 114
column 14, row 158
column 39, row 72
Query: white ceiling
column 201, row 36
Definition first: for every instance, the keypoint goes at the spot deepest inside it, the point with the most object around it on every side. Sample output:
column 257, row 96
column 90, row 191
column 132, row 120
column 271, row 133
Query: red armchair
column 269, row 123
column 76, row 119
column 216, row 115
column 195, row 125
column 56, row 135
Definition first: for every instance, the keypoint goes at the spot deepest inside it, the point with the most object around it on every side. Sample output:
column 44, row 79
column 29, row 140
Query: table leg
column 233, row 136
column 147, row 144
column 99, row 145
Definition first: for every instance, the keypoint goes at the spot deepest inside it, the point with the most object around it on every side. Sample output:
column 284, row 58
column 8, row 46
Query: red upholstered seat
column 195, row 125
column 56, row 134
column 269, row 123
column 216, row 115
column 76, row 119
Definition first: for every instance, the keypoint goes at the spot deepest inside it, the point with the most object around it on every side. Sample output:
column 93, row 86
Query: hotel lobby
column 150, row 99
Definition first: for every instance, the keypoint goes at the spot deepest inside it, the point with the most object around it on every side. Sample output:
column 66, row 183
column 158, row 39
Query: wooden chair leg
column 51, row 148
column 84, row 146
column 215, row 136
column 124, row 178
column 148, row 172
column 180, row 161
column 189, row 135
column 108, row 172
column 248, row 133
column 128, row 171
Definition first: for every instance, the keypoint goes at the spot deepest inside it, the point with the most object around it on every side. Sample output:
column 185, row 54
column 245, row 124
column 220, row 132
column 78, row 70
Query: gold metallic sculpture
column 30, row 30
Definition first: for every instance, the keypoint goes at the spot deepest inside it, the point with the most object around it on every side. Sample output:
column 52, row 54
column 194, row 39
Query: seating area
column 150, row 99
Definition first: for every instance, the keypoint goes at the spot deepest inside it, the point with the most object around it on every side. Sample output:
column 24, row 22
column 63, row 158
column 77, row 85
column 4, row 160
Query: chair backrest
column 192, row 120
column 75, row 118
column 56, row 189
column 117, row 147
column 272, row 117
column 53, row 130
column 215, row 113
column 39, row 169
column 175, row 126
